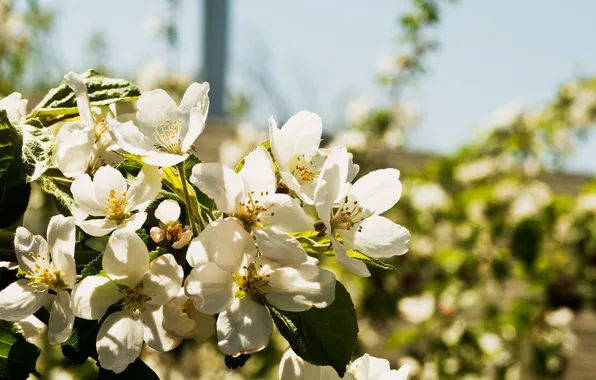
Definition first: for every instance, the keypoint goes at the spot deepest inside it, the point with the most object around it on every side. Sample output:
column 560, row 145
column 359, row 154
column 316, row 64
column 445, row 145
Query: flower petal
column 18, row 300
column 224, row 242
column 155, row 107
column 301, row 134
column 133, row 223
column 157, row 234
column 293, row 367
column 196, row 126
column 30, row 250
column 285, row 214
column 369, row 367
column 184, row 240
column 93, row 295
column 196, row 96
column 144, row 189
column 98, row 227
column 258, row 173
column 400, row 374
column 75, row 82
column 15, row 107
column 353, row 265
column 327, row 190
column 244, row 328
column 126, row 259
column 164, row 159
column 156, row 336
column 377, row 236
column 175, row 319
column 62, row 235
column 164, row 280
column 72, row 148
column 279, row 246
column 377, row 191
column 61, row 318
column 130, row 138
column 83, row 193
column 119, row 341
column 219, row 183
column 168, row 211
column 210, row 288
column 301, row 288
column 106, row 180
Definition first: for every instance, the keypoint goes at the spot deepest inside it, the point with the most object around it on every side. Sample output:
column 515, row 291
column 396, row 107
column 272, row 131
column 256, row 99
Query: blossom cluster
column 231, row 245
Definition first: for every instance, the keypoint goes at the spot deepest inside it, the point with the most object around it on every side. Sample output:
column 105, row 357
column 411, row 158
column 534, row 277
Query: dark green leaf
column 59, row 189
column 13, row 203
column 9, row 142
column 36, row 153
column 93, row 267
column 81, row 344
column 236, row 362
column 322, row 336
column 17, row 356
column 135, row 370
column 60, row 102
column 526, row 242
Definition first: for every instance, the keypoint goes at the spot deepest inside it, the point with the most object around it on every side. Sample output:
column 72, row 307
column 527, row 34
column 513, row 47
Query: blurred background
column 486, row 107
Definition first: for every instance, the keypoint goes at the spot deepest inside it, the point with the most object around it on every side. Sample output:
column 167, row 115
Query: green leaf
column 93, row 267
column 17, row 356
column 156, row 253
column 60, row 102
column 526, row 242
column 59, row 189
column 9, row 141
column 80, row 346
column 36, row 153
column 135, row 370
column 13, row 203
column 315, row 244
column 322, row 336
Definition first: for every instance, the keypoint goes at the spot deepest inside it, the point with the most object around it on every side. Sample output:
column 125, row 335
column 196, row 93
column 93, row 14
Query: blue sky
column 320, row 54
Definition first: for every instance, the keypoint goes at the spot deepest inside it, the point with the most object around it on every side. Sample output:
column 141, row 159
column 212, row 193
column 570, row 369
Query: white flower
column 81, row 145
column 559, row 318
column 16, row 108
column 168, row 213
column 355, row 216
column 108, row 197
column 182, row 319
column 475, row 170
column 165, row 131
column 48, row 265
column 490, row 343
column 296, row 150
column 358, row 110
column 352, row 139
column 141, row 288
column 366, row 367
column 429, row 197
column 243, row 325
column 250, row 200
column 417, row 309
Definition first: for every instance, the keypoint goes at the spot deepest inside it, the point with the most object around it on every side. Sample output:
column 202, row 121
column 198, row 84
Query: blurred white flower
column 351, row 139
column 357, row 110
column 583, row 103
column 248, row 135
column 153, row 25
column 586, row 202
column 417, row 309
column 560, row 318
column 563, row 140
column 475, row 170
column 453, row 333
column 429, row 197
column 151, row 75
column 386, row 65
column 530, row 201
column 407, row 114
column 15, row 106
column 490, row 343
column 393, row 138
column 503, row 116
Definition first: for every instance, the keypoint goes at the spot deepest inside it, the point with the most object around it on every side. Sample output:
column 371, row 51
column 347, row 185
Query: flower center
column 134, row 300
column 48, row 276
column 305, row 170
column 348, row 215
column 116, row 208
column 174, row 232
column 99, row 129
column 167, row 136
column 251, row 208
column 251, row 282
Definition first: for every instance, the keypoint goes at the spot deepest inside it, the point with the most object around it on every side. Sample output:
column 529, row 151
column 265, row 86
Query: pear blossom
column 107, row 196
column 417, row 309
column 181, row 318
column 48, row 266
column 83, row 145
column 355, row 215
column 170, row 229
column 164, row 131
column 366, row 367
column 243, row 324
column 15, row 106
column 140, row 288
column 249, row 201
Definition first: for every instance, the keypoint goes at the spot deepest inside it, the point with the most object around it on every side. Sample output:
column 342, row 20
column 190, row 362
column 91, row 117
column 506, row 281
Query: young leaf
column 17, row 356
column 136, row 370
column 321, row 245
column 322, row 336
column 60, row 102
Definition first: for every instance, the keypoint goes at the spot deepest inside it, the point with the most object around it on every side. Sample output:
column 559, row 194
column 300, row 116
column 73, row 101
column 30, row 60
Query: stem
column 189, row 205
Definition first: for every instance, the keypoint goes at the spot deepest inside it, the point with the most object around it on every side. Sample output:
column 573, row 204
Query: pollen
column 116, row 208
column 251, row 282
column 174, row 232
column 348, row 215
column 251, row 208
column 47, row 277
column 134, row 300
column 305, row 170
column 167, row 136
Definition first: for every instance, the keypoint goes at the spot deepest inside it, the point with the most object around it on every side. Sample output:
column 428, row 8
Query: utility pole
column 215, row 42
